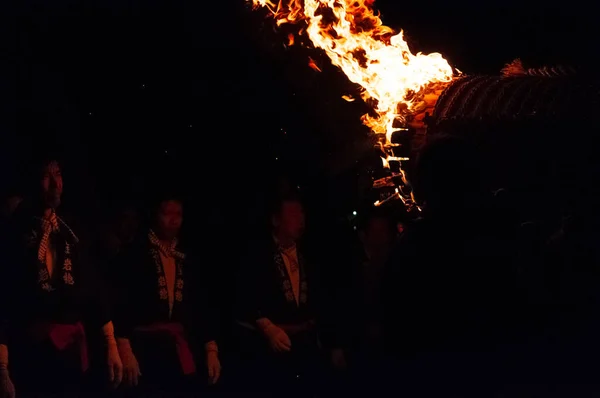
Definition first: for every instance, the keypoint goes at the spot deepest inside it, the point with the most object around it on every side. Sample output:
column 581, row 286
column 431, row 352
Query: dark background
column 205, row 95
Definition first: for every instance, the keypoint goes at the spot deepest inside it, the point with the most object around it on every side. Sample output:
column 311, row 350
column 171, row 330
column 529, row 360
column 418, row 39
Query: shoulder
column 256, row 256
column 70, row 227
column 72, row 220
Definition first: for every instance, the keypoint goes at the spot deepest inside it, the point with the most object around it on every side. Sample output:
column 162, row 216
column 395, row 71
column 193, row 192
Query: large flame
column 369, row 53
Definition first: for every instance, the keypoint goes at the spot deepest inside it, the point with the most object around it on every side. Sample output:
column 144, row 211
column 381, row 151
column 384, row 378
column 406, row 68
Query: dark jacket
column 71, row 295
column 263, row 290
column 138, row 302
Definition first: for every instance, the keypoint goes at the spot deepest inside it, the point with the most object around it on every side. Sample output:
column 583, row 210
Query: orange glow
column 371, row 55
column 313, row 65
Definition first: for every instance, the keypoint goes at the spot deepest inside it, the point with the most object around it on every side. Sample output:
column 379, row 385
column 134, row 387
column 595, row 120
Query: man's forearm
column 123, row 342
column 108, row 330
column 211, row 346
column 124, row 346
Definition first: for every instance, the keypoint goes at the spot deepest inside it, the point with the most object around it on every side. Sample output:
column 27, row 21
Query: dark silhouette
column 119, row 232
column 447, row 284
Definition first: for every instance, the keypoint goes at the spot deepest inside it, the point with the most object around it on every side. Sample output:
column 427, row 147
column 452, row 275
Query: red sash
column 177, row 332
column 64, row 336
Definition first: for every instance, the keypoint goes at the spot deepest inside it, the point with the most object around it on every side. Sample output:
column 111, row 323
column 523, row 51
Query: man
column 48, row 295
column 446, row 289
column 359, row 301
column 119, row 233
column 279, row 307
column 377, row 234
column 160, row 312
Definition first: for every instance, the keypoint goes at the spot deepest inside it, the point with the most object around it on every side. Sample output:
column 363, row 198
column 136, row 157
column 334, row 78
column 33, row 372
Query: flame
column 385, row 163
column 371, row 55
column 395, row 195
column 313, row 64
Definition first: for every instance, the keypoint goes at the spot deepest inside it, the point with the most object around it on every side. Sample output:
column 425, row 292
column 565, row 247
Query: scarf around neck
column 168, row 250
column 51, row 225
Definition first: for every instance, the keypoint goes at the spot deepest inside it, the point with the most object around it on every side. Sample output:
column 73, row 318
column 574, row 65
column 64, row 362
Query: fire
column 313, row 64
column 371, row 55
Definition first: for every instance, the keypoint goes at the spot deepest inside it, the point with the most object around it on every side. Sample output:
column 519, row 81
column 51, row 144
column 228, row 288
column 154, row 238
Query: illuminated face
column 52, row 185
column 169, row 218
column 400, row 228
column 290, row 221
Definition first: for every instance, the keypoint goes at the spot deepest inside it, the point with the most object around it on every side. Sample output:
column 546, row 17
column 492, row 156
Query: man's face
column 52, row 185
column 170, row 218
column 400, row 228
column 378, row 233
column 290, row 221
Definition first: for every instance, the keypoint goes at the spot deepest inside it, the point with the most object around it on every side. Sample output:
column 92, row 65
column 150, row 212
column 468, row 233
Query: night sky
column 205, row 93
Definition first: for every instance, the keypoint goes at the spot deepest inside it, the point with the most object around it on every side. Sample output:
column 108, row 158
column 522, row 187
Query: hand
column 214, row 366
column 115, row 366
column 278, row 339
column 7, row 389
column 338, row 359
column 131, row 367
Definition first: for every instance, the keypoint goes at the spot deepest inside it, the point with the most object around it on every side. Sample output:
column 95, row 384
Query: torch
column 414, row 95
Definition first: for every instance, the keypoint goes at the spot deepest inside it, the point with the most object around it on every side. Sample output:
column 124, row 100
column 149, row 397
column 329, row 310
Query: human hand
column 214, row 366
column 131, row 367
column 278, row 339
column 114, row 364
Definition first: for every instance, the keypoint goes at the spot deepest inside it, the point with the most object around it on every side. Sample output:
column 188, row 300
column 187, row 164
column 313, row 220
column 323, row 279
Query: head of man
column 288, row 219
column 11, row 199
column 168, row 218
column 50, row 182
column 377, row 231
column 400, row 227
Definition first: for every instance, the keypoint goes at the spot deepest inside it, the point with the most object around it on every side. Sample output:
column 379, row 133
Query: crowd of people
column 465, row 300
